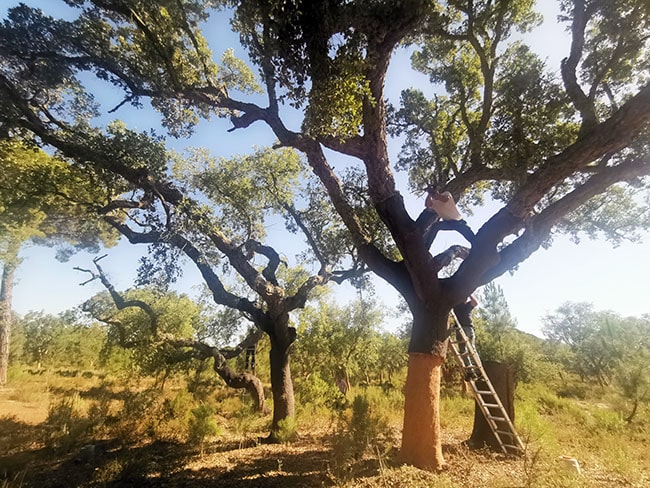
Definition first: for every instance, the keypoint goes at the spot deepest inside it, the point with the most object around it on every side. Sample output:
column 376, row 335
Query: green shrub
column 140, row 414
column 172, row 420
column 604, row 419
column 287, row 430
column 202, row 424
column 316, row 392
column 362, row 427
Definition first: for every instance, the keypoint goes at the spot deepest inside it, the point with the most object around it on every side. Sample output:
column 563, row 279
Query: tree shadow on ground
column 303, row 468
column 228, row 463
column 100, row 392
column 165, row 464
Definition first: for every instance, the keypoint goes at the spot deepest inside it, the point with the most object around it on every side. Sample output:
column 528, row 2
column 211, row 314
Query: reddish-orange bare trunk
column 421, row 440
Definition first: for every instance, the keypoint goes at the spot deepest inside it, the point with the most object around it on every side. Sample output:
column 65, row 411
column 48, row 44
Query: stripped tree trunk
column 421, row 436
column 421, row 440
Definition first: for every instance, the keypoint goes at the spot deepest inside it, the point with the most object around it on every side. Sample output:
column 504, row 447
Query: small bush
column 140, row 414
column 287, row 430
column 172, row 421
column 108, row 472
column 66, row 423
column 246, row 423
column 364, row 427
column 202, row 424
column 603, row 419
column 316, row 392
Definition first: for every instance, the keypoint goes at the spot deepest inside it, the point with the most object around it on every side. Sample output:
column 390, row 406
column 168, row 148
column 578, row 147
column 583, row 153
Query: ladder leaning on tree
column 486, row 397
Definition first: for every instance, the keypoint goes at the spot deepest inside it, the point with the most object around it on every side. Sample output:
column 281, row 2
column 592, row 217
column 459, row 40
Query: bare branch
column 119, row 301
column 569, row 65
column 446, row 257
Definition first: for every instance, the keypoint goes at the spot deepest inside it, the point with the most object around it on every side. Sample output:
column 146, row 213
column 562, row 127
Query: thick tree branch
column 250, row 340
column 119, row 301
column 539, row 227
column 203, row 351
column 269, row 272
column 446, row 257
column 608, row 137
column 219, row 292
column 581, row 15
column 299, row 299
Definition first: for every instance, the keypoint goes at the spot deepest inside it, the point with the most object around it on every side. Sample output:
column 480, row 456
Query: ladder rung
column 488, row 400
column 491, row 405
column 497, row 419
column 508, row 444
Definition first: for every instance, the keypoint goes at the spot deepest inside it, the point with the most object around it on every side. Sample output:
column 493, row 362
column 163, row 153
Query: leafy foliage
column 500, row 110
column 57, row 341
column 244, row 190
column 604, row 346
column 45, row 199
column 345, row 342
column 499, row 340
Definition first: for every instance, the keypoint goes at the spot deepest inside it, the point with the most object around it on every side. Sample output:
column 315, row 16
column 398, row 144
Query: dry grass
column 235, row 459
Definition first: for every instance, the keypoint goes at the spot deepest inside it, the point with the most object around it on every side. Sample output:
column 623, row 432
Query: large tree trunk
column 502, row 379
column 281, row 386
column 10, row 260
column 421, row 439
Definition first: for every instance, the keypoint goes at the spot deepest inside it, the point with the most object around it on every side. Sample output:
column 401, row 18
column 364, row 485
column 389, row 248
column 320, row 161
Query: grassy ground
column 83, row 431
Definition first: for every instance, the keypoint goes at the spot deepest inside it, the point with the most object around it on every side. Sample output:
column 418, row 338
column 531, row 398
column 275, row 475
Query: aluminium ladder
column 487, row 399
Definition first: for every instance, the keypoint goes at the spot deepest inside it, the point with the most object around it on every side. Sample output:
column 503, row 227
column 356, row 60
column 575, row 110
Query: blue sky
column 593, row 271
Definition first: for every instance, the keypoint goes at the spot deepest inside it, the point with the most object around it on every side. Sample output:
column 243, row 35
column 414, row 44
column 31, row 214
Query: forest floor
column 235, row 461
column 307, row 462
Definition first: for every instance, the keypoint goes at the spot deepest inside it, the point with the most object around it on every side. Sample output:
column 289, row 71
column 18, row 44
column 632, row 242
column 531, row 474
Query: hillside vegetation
column 90, row 415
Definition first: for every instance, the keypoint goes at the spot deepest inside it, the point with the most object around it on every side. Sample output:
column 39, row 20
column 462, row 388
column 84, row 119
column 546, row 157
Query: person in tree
column 342, row 382
column 463, row 312
column 250, row 357
column 450, row 218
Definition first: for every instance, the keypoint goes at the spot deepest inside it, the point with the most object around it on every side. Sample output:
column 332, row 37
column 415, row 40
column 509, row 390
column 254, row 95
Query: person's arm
column 473, row 301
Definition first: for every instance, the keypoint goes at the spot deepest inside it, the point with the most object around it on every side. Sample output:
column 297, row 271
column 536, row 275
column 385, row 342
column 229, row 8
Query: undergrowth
column 363, row 432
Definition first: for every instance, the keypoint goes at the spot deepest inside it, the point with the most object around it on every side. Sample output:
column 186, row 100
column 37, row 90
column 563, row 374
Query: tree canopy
column 45, row 200
column 559, row 154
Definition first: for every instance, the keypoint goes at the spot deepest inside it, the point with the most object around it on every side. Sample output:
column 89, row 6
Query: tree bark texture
column 248, row 381
column 6, row 291
column 282, row 387
column 502, row 379
column 421, row 441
